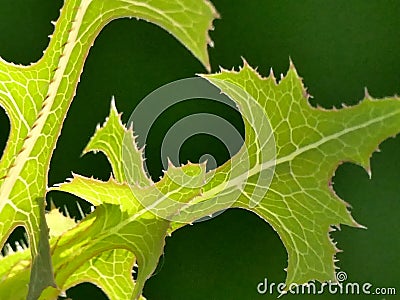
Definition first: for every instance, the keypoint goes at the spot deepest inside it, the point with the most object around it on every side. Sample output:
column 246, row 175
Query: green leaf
column 300, row 203
column 119, row 222
column 282, row 173
column 133, row 230
column 110, row 139
column 103, row 248
column 110, row 270
column 36, row 99
column 14, row 273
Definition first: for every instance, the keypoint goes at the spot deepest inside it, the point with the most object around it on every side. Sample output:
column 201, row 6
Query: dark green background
column 338, row 47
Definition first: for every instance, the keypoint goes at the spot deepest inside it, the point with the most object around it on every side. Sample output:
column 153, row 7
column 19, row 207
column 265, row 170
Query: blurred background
column 338, row 47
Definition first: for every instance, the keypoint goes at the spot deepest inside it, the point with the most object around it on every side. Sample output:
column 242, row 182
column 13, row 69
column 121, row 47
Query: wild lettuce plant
column 282, row 172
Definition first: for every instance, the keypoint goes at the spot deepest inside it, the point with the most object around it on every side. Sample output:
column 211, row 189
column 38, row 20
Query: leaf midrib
column 37, row 128
column 241, row 179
